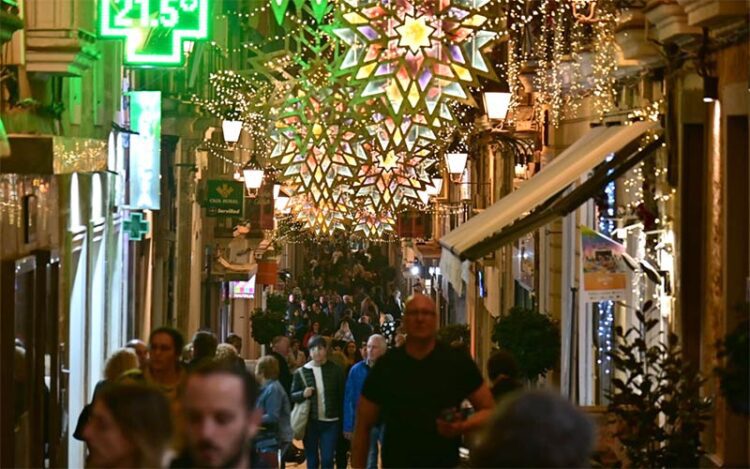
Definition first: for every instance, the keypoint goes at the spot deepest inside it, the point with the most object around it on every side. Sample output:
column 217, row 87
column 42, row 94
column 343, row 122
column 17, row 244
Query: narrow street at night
column 374, row 233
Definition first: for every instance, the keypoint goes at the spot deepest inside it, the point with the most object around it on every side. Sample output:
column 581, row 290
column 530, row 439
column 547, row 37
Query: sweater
column 333, row 389
column 354, row 384
column 276, row 423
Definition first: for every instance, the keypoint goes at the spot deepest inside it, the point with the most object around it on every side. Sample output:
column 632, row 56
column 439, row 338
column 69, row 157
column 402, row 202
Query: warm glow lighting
column 436, row 187
column 520, row 171
column 456, row 162
column 414, row 270
column 253, row 178
column 281, row 204
column 496, row 104
column 232, row 130
column 414, row 33
column 276, row 190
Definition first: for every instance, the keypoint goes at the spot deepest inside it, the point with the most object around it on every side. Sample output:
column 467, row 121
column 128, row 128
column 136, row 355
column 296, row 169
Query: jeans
column 376, row 436
column 323, row 436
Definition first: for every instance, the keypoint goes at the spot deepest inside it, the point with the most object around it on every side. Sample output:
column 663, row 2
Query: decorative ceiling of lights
column 358, row 104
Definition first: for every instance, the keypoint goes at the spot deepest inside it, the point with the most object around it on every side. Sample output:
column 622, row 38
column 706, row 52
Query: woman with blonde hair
column 121, row 361
column 122, row 365
column 130, row 426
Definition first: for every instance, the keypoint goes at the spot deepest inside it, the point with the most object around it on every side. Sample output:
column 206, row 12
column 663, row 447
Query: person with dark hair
column 164, row 370
column 218, row 406
column 280, row 351
column 502, row 369
column 322, row 381
column 535, row 429
column 416, row 392
column 204, row 347
column 130, row 426
column 236, row 341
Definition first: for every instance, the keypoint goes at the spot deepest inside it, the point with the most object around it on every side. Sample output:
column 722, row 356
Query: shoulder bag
column 300, row 413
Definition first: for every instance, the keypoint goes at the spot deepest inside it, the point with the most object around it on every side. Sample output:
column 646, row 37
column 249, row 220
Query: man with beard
column 220, row 419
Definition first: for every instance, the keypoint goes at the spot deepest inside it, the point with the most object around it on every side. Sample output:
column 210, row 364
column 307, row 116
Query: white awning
column 578, row 159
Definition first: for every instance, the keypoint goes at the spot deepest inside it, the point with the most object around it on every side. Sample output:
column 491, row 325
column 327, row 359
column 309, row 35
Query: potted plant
column 655, row 402
column 532, row 337
column 267, row 325
column 455, row 335
column 734, row 378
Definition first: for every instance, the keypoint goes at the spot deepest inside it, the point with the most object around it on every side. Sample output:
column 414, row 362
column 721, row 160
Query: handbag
column 300, row 413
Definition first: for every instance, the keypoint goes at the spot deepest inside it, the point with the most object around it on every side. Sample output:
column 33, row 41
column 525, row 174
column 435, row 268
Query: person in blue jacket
column 376, row 347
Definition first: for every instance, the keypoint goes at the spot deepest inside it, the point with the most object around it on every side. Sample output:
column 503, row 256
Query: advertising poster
column 605, row 274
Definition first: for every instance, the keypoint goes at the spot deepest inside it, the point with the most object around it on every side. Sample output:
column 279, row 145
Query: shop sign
column 154, row 31
column 267, row 273
column 145, row 149
column 136, row 226
column 605, row 274
column 224, row 198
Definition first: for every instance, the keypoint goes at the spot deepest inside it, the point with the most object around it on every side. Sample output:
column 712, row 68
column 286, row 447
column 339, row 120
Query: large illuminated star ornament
column 391, row 179
column 414, row 57
column 316, row 143
column 322, row 218
column 374, row 224
column 414, row 34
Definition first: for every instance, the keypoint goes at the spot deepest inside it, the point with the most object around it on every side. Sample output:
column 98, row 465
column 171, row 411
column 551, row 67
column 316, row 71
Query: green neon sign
column 153, row 29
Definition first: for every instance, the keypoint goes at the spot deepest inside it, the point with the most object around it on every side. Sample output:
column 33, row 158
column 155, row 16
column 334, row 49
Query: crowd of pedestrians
column 359, row 379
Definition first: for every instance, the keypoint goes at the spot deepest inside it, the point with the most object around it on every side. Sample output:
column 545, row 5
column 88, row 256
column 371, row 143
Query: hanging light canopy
column 436, row 188
column 231, row 130
column 276, row 190
column 496, row 97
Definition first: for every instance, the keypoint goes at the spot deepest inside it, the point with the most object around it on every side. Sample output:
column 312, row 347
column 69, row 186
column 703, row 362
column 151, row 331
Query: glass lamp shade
column 435, row 188
column 496, row 104
column 231, row 130
column 281, row 204
column 253, row 178
column 456, row 162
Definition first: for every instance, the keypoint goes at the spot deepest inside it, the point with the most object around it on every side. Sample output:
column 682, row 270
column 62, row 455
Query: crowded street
column 374, row 233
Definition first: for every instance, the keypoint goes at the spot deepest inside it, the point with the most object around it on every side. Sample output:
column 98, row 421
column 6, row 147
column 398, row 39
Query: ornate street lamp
column 456, row 162
column 253, row 176
column 496, row 97
column 231, row 130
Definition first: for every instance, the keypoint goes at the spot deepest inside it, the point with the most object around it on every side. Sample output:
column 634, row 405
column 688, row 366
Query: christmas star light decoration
column 414, row 57
column 374, row 224
column 391, row 178
column 324, row 217
column 317, row 142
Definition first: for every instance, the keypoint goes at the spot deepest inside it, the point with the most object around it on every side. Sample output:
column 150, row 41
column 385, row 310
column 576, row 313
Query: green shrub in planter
column 276, row 303
column 454, row 334
column 267, row 325
column 532, row 337
column 655, row 400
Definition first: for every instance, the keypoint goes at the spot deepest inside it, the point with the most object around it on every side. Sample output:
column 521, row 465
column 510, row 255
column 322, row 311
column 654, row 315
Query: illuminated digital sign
column 145, row 149
column 153, row 29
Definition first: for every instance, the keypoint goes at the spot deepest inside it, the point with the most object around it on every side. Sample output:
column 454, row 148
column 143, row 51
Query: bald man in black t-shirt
column 416, row 391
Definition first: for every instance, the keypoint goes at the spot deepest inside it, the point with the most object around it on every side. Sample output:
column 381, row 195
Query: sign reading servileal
column 145, row 149
column 224, row 198
column 153, row 30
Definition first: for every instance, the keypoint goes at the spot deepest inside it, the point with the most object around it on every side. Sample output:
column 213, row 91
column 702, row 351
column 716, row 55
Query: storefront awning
column 427, row 252
column 540, row 199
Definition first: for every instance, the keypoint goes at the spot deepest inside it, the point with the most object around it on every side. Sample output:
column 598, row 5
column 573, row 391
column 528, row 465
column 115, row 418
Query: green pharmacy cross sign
column 136, row 227
column 153, row 29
